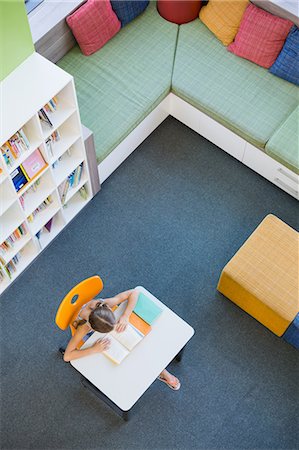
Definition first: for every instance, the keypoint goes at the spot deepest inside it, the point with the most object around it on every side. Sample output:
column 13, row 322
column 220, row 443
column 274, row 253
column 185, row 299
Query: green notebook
column 147, row 309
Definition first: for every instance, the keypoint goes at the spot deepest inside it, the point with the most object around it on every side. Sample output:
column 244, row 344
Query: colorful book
column 83, row 192
column 19, row 178
column 34, row 164
column 48, row 225
column 44, row 117
column 146, row 309
column 138, row 323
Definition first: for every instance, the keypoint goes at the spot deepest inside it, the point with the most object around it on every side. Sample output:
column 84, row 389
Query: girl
column 97, row 315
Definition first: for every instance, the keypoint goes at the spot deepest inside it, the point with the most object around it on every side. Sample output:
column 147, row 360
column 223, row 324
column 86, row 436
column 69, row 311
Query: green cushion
column 237, row 93
column 118, row 86
column 284, row 144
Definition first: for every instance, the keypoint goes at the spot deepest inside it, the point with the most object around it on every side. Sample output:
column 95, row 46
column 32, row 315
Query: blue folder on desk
column 147, row 309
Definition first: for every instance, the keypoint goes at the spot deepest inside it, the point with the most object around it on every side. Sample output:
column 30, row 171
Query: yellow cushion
column 263, row 278
column 223, row 18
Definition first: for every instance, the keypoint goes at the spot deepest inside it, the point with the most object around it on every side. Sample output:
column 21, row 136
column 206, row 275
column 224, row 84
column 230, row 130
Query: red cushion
column 93, row 25
column 260, row 37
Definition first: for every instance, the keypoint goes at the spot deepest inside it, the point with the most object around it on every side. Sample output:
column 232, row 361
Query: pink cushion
column 93, row 25
column 260, row 37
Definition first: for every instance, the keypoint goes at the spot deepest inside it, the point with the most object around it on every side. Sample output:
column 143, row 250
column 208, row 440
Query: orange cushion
column 223, row 18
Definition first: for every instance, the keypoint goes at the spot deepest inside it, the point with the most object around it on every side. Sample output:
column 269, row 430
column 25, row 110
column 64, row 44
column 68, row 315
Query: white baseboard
column 131, row 142
column 212, row 130
column 272, row 170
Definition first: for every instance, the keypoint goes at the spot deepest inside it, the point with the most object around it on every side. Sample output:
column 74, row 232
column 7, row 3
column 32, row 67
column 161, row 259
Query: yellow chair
column 74, row 300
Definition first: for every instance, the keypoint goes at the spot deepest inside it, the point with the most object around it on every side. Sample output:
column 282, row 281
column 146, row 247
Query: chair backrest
column 75, row 299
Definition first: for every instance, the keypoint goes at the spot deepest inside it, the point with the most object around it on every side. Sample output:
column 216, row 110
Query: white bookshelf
column 30, row 208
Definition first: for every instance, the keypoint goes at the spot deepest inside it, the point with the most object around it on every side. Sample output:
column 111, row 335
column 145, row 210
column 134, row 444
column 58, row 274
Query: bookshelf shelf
column 61, row 145
column 33, row 198
column 44, row 216
column 58, row 224
column 7, row 196
column 57, row 120
column 10, row 220
column 67, row 140
column 16, row 248
column 75, row 189
column 5, row 282
column 24, row 156
column 3, row 177
column 73, row 206
column 64, row 171
column 31, row 183
column 27, row 255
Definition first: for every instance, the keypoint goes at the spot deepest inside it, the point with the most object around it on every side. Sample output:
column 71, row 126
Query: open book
column 122, row 343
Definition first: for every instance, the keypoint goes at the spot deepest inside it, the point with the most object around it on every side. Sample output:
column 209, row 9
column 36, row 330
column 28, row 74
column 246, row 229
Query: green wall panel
column 15, row 36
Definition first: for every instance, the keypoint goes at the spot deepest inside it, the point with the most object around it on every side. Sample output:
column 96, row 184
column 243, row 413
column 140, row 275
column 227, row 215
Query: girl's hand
column 101, row 345
column 122, row 324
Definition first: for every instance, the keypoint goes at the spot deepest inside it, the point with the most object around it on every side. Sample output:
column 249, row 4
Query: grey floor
column 168, row 219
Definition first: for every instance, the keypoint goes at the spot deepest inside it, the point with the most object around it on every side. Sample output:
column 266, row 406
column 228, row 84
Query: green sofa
column 118, row 86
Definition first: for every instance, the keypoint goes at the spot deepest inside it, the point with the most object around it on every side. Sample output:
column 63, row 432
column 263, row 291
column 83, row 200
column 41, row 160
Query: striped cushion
column 260, row 37
column 283, row 145
column 121, row 84
column 93, row 25
column 287, row 64
column 223, row 18
column 128, row 10
column 235, row 92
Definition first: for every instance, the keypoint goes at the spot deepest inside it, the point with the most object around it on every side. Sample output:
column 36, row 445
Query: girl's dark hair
column 102, row 319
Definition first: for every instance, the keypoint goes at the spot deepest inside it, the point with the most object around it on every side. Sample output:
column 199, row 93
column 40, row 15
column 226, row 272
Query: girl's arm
column 72, row 352
column 132, row 297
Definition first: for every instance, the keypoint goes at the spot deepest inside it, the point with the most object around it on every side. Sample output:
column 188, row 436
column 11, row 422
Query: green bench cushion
column 284, row 144
column 237, row 93
column 118, row 86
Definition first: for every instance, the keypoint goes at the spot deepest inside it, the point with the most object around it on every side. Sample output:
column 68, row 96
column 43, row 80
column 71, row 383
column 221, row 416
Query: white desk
column 141, row 367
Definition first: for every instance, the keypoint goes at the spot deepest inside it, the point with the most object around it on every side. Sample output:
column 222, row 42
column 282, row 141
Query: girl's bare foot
column 170, row 380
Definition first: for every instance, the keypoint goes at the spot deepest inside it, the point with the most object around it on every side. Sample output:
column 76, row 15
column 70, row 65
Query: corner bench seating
column 236, row 104
column 118, row 86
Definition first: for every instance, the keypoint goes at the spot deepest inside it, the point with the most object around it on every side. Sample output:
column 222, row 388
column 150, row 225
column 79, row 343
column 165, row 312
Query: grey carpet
column 168, row 219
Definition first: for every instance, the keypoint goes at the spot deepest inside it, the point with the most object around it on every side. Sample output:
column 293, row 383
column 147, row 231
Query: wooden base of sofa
column 209, row 128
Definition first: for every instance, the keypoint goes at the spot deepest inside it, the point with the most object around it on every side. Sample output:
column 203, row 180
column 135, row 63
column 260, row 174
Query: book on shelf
column 33, row 188
column 2, row 276
column 40, row 208
column 48, row 225
column 70, row 182
column 51, row 140
column 46, row 110
column 146, row 309
column 10, row 268
column 14, row 147
column 44, row 118
column 19, row 178
column 34, row 164
column 83, row 192
column 9, row 242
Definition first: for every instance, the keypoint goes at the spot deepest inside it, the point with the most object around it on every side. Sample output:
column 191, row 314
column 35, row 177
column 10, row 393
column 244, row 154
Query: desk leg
column 180, row 355
column 123, row 414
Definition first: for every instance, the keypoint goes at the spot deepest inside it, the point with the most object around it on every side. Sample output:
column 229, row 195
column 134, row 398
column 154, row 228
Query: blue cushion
column 128, row 10
column 286, row 65
column 292, row 333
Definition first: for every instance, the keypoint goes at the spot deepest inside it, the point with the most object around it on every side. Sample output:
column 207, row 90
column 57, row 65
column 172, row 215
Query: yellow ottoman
column 262, row 277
